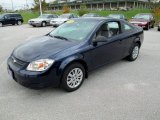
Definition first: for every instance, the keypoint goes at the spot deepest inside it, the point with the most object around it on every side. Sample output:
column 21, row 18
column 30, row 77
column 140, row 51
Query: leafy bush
column 83, row 10
column 156, row 11
column 66, row 9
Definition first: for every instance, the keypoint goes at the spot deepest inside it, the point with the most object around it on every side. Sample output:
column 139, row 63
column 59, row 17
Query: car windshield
column 142, row 16
column 74, row 30
column 64, row 16
column 43, row 16
column 115, row 16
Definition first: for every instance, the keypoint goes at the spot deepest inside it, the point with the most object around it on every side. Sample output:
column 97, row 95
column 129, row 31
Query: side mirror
column 100, row 39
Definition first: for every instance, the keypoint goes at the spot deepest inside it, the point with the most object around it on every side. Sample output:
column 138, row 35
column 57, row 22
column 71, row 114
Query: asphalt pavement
column 119, row 91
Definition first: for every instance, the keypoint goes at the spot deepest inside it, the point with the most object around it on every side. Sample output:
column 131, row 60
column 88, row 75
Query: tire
column 152, row 25
column 19, row 22
column 134, row 53
column 148, row 27
column 70, row 80
column 43, row 24
column 1, row 25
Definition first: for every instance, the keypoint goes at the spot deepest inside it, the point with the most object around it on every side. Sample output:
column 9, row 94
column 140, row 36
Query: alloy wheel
column 135, row 52
column 74, row 77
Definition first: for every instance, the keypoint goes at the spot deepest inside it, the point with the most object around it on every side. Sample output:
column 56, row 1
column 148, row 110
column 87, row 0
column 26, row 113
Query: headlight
column 40, row 65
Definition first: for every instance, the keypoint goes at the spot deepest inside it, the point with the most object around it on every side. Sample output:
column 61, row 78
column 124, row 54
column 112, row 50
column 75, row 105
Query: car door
column 9, row 19
column 128, row 37
column 111, row 50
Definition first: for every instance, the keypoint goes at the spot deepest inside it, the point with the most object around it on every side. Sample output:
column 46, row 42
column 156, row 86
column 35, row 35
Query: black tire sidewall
column 65, row 74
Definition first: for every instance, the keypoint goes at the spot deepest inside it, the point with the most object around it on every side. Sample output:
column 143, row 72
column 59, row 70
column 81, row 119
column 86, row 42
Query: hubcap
column 43, row 24
column 19, row 22
column 74, row 78
column 135, row 52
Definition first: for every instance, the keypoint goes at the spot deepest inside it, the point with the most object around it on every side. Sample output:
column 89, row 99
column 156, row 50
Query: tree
column 1, row 8
column 156, row 11
column 83, row 10
column 66, row 9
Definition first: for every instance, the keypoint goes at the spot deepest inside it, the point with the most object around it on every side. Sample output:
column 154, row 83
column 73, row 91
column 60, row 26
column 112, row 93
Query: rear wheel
column 73, row 77
column 134, row 52
column 19, row 22
column 1, row 25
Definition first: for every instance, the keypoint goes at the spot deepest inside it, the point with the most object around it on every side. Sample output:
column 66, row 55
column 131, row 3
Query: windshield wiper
column 60, row 37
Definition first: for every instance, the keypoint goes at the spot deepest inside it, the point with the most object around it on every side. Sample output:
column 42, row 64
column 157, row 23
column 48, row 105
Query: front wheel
column 134, row 53
column 73, row 77
column 148, row 27
column 43, row 24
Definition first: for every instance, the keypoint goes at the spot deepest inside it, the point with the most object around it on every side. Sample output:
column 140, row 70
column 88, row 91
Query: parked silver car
column 42, row 20
column 62, row 19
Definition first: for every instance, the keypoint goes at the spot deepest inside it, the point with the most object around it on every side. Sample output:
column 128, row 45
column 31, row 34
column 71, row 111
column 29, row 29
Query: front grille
column 18, row 62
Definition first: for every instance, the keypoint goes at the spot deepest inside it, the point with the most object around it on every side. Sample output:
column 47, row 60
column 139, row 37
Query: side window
column 109, row 29
column 126, row 27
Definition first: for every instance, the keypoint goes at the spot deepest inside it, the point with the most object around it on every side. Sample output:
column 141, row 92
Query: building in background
column 102, row 4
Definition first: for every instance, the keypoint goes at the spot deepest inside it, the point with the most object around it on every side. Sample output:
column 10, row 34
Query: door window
column 109, row 29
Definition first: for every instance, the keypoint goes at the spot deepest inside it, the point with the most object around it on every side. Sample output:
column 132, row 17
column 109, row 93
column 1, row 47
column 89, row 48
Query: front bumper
column 141, row 25
column 35, row 23
column 35, row 80
column 56, row 24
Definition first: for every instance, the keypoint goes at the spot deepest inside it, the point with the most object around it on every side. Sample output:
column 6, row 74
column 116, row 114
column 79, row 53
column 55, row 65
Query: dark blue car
column 65, row 56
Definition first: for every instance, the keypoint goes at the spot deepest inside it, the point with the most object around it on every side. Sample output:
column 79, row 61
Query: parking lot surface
column 119, row 91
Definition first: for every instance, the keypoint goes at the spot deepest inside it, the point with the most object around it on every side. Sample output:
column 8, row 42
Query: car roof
column 98, row 19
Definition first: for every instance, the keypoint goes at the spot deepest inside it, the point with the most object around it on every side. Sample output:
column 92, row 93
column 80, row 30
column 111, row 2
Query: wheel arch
column 71, row 60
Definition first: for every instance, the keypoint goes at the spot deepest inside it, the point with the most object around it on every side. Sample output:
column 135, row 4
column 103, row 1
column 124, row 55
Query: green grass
column 29, row 15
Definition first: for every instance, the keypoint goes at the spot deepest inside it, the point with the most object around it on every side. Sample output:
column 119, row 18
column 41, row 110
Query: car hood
column 38, row 19
column 60, row 19
column 139, row 20
column 41, row 48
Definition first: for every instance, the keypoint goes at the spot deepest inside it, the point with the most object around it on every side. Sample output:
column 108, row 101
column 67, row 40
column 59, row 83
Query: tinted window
column 126, row 27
